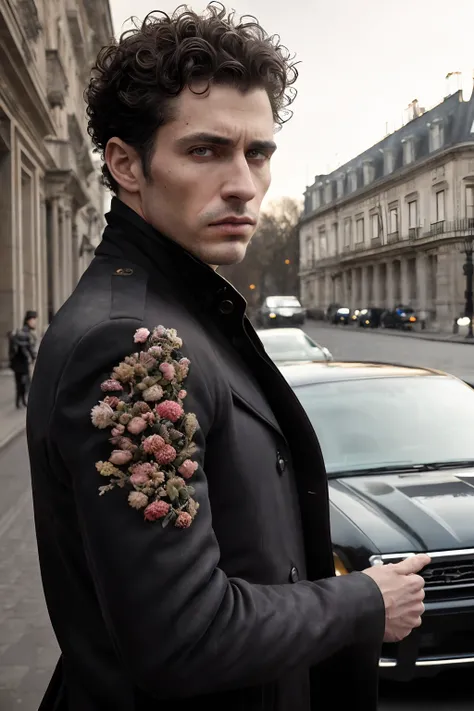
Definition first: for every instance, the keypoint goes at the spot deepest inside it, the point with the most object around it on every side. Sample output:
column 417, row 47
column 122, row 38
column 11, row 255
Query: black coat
column 222, row 612
column 22, row 350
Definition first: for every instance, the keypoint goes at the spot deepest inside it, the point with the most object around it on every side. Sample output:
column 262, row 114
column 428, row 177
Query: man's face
column 32, row 323
column 209, row 172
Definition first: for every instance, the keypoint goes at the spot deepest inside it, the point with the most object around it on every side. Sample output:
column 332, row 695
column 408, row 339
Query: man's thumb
column 413, row 564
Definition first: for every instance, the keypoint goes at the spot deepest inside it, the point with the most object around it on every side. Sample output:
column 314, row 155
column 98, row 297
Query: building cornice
column 16, row 62
column 392, row 180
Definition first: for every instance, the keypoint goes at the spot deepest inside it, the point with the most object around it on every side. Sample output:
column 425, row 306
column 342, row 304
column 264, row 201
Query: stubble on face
column 210, row 171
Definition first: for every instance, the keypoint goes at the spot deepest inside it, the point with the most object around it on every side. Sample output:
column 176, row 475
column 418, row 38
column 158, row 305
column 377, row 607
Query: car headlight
column 272, row 315
column 339, row 566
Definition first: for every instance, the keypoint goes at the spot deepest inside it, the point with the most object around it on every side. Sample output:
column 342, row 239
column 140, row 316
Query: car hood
column 409, row 512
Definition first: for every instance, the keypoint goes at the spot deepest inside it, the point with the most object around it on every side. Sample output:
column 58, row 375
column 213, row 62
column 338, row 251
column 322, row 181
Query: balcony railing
column 414, row 233
column 438, row 228
column 393, row 237
column 375, row 242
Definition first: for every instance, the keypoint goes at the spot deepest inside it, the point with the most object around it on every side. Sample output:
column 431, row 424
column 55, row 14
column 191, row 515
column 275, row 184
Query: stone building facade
column 51, row 197
column 389, row 226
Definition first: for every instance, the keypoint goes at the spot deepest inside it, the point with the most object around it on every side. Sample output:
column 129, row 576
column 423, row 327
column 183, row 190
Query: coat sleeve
column 179, row 624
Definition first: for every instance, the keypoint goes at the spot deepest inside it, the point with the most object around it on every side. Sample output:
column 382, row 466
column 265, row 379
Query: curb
column 11, row 436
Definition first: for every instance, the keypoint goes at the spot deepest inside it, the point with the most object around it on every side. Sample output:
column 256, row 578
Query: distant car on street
column 370, row 318
column 342, row 315
column 292, row 345
column 281, row 310
column 399, row 450
column 402, row 317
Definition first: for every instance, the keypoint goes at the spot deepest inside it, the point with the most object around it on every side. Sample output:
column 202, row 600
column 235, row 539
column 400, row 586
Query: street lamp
column 468, row 269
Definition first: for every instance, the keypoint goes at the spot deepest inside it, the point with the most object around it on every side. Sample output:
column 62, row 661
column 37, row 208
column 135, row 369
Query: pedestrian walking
column 22, row 352
column 180, row 495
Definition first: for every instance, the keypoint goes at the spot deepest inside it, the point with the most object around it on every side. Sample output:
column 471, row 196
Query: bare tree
column 272, row 260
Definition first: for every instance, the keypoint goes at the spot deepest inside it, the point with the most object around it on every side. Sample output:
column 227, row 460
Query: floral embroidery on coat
column 151, row 434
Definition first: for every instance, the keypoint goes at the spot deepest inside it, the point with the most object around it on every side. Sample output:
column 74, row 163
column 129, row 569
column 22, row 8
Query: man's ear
column 124, row 164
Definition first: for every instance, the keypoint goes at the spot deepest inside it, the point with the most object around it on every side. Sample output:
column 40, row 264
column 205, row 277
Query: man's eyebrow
column 215, row 139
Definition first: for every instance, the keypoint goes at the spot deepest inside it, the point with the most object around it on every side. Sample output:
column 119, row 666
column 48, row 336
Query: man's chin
column 224, row 257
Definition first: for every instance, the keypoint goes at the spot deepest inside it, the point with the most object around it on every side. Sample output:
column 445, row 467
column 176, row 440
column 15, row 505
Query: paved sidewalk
column 28, row 650
column 12, row 421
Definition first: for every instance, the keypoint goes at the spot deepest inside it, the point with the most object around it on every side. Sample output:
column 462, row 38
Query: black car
column 342, row 315
column 281, row 311
column 370, row 318
column 403, row 317
column 399, row 450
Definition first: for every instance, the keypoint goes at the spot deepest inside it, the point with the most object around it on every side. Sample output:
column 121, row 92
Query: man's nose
column 240, row 183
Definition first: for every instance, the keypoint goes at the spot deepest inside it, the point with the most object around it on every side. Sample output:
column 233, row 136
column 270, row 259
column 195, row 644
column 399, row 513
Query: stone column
column 444, row 316
column 354, row 290
column 404, row 281
column 377, row 286
column 76, row 273
column 56, row 263
column 68, row 252
column 345, row 296
column 421, row 282
column 364, row 299
column 390, row 286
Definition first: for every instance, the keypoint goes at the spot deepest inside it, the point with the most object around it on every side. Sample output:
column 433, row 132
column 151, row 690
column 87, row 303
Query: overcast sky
column 362, row 63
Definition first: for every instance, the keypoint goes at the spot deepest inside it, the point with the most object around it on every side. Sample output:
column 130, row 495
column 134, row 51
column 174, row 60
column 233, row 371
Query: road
column 350, row 342
column 28, row 650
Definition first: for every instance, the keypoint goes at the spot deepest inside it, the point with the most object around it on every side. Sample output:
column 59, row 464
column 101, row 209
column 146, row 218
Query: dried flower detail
column 151, row 435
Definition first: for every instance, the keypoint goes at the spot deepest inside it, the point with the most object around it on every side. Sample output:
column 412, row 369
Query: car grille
column 447, row 573
column 450, row 575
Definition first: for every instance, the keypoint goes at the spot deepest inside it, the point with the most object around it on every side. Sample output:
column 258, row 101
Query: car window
column 275, row 302
column 389, row 421
column 284, row 347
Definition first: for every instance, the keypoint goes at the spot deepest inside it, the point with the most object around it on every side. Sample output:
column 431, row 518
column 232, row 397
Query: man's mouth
column 232, row 220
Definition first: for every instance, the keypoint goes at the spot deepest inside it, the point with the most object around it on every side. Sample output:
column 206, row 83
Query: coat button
column 294, row 575
column 226, row 307
column 281, row 463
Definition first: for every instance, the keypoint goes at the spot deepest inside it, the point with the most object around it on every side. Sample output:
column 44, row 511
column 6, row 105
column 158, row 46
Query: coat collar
column 136, row 240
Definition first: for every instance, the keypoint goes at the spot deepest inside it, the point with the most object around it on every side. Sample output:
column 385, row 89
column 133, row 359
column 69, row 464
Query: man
column 22, row 352
column 242, row 609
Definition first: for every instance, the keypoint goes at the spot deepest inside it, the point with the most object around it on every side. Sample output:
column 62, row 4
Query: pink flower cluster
column 187, row 468
column 169, row 410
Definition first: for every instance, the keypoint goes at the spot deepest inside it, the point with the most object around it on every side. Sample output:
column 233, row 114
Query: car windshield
column 288, row 347
column 383, row 422
column 276, row 302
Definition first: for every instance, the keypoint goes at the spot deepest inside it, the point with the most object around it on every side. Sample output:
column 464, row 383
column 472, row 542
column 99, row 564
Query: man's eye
column 202, row 152
column 256, row 155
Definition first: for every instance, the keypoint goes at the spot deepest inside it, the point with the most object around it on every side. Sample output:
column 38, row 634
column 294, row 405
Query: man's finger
column 413, row 564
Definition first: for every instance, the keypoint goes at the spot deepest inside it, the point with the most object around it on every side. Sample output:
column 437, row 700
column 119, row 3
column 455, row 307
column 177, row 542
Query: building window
column 360, row 236
column 368, row 171
column 413, row 214
column 408, row 151
column 340, row 186
column 309, row 252
column 328, row 192
column 393, row 220
column 388, row 162
column 347, row 232
column 470, row 202
column 322, row 243
column 440, row 206
column 335, row 236
column 353, row 181
column 436, row 136
column 374, row 220
column 315, row 200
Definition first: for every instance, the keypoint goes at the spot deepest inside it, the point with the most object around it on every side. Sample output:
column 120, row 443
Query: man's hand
column 403, row 594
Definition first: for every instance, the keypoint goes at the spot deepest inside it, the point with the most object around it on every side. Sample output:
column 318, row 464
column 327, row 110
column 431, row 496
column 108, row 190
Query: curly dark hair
column 133, row 79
